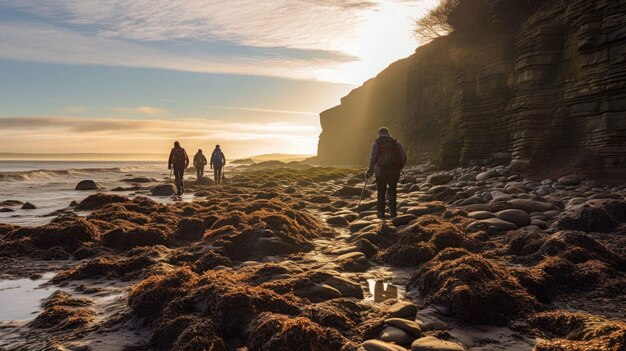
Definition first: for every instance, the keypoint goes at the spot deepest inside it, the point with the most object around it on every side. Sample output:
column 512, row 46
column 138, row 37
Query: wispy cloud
column 303, row 39
column 266, row 110
column 143, row 110
column 304, row 24
column 35, row 43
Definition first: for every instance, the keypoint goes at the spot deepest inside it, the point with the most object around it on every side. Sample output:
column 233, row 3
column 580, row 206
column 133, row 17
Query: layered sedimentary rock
column 541, row 85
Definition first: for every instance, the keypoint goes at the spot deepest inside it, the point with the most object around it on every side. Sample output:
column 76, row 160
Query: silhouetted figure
column 199, row 161
column 386, row 161
column 217, row 163
column 178, row 162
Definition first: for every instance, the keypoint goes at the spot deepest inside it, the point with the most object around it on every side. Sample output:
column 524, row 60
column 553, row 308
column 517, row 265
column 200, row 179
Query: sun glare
column 386, row 35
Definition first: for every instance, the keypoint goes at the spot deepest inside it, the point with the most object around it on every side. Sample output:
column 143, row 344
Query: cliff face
column 541, row 88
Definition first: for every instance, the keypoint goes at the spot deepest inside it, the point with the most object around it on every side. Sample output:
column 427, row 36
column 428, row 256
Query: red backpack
column 388, row 155
column 178, row 156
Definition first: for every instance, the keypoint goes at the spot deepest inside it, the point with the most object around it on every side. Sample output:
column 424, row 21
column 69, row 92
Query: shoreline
column 289, row 241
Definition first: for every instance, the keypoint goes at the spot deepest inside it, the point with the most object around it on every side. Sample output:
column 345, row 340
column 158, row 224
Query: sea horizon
column 126, row 157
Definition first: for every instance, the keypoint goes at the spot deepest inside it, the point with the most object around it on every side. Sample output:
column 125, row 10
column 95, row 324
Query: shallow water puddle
column 382, row 290
column 20, row 299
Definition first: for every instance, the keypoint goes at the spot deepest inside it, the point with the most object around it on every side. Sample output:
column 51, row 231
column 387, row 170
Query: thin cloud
column 68, row 134
column 143, row 110
column 297, row 39
column 31, row 42
column 304, row 24
column 266, row 110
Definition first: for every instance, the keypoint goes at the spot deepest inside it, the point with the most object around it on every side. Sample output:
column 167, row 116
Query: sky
column 132, row 76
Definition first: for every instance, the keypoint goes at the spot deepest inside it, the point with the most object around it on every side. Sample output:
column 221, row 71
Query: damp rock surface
column 283, row 255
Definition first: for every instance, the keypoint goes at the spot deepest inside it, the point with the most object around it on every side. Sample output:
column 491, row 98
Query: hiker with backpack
column 217, row 163
column 199, row 161
column 386, row 162
column 178, row 162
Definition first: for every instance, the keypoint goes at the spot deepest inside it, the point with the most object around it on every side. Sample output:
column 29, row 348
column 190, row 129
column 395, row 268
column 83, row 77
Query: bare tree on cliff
column 471, row 16
column 437, row 22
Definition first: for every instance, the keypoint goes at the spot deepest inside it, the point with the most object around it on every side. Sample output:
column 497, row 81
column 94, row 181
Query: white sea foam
column 50, row 185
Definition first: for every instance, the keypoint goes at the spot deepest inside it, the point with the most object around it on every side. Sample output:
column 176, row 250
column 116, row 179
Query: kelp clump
column 473, row 288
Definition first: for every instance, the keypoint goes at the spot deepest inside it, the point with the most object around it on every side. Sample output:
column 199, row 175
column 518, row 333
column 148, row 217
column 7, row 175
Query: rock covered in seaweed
column 473, row 288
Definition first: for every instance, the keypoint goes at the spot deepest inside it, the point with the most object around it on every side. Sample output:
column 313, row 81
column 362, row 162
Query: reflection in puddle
column 21, row 297
column 382, row 291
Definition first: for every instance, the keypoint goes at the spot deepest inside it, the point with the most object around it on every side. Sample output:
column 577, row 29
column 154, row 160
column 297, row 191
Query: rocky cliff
column 540, row 85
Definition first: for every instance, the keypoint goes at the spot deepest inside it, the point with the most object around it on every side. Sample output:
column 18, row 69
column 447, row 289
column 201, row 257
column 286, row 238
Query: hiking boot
column 380, row 215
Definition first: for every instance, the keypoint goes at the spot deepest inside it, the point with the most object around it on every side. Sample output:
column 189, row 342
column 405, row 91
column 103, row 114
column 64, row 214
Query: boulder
column 318, row 292
column 358, row 225
column 422, row 210
column 430, row 343
column 476, row 207
column 539, row 223
column 346, row 287
column 87, row 184
column 552, row 214
column 163, row 190
column 587, row 219
column 406, row 325
column 344, row 250
column 98, row 200
column 439, row 178
column 484, row 175
column 517, row 217
column 337, row 221
column 353, row 262
column 273, row 245
column 402, row 309
column 530, row 205
column 481, row 215
column 494, row 224
column 515, row 188
column 569, row 180
column 403, row 219
column 6, row 209
column 378, row 345
column 467, row 177
column 28, row 206
column 11, row 203
column 395, row 335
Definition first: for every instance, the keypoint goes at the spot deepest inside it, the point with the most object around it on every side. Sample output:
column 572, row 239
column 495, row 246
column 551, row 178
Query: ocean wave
column 47, row 174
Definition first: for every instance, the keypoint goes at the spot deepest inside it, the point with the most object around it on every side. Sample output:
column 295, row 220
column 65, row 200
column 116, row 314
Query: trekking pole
column 362, row 193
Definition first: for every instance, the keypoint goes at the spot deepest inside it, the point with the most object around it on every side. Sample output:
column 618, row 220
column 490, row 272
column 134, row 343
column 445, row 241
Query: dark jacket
column 373, row 166
column 217, row 158
column 178, row 158
column 199, row 160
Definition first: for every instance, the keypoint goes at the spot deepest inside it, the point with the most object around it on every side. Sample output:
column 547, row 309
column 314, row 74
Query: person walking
column 217, row 163
column 386, row 161
column 199, row 161
column 178, row 162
